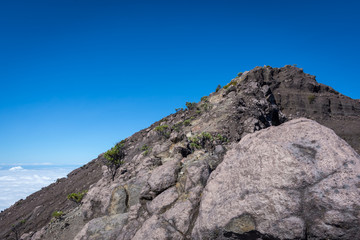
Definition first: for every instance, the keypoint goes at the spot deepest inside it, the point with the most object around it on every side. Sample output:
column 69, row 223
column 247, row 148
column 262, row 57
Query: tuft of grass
column 232, row 83
column 57, row 214
column 163, row 130
column 187, row 122
column 146, row 149
column 221, row 138
column 77, row 197
column 206, row 136
column 200, row 141
column 176, row 127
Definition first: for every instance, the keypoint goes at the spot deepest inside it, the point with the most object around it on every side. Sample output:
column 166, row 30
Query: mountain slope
column 181, row 156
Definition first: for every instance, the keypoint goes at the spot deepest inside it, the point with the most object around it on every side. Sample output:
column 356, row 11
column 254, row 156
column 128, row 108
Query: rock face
column 295, row 181
column 188, row 176
column 299, row 95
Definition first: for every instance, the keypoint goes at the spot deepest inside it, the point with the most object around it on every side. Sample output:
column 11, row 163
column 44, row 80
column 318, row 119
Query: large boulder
column 295, row 181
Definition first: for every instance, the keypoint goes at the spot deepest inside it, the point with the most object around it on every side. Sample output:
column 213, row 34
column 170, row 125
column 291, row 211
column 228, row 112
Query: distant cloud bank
column 18, row 182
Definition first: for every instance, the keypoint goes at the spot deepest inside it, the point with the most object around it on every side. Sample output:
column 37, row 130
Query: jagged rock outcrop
column 167, row 184
column 299, row 95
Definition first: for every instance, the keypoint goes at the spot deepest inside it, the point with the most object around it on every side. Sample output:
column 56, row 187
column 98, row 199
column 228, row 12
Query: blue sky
column 78, row 76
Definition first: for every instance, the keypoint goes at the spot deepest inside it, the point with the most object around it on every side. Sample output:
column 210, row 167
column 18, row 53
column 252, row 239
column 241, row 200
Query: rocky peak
column 165, row 188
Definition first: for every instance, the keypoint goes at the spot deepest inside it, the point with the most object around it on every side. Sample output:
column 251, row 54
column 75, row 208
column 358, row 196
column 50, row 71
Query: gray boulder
column 295, row 181
column 107, row 227
column 164, row 176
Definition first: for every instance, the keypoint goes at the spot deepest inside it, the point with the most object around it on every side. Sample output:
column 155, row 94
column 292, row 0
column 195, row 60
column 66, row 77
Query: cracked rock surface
column 295, row 181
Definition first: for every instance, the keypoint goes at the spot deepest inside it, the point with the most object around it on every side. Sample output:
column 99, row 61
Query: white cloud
column 17, row 182
column 16, row 168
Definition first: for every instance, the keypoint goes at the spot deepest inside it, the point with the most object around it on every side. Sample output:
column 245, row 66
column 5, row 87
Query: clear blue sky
column 78, row 76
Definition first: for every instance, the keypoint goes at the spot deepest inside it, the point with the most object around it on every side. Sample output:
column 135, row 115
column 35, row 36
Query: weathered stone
column 180, row 215
column 219, row 149
column 118, row 203
column 157, row 228
column 287, row 182
column 176, row 137
column 164, row 176
column 133, row 191
column 107, row 227
column 163, row 200
column 197, row 172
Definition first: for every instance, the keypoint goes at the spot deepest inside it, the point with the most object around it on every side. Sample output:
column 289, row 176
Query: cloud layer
column 18, row 182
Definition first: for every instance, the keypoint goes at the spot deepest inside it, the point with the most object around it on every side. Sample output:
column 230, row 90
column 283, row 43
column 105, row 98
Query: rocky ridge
column 163, row 192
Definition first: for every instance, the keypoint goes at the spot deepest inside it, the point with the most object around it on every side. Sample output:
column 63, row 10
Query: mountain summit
column 272, row 155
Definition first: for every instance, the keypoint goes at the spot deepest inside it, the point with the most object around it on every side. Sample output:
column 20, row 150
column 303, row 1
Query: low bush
column 190, row 105
column 163, row 130
column 202, row 140
column 114, row 158
column 146, row 149
column 187, row 122
column 57, row 214
column 176, row 127
column 77, row 197
column 232, row 83
column 221, row 138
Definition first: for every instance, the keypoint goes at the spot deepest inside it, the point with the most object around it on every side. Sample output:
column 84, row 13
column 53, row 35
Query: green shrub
column 194, row 146
column 221, row 138
column 176, row 127
column 163, row 130
column 114, row 158
column 239, row 74
column 200, row 141
column 57, row 214
column 218, row 88
column 77, row 197
column 205, row 98
column 178, row 109
column 232, row 83
column 311, row 98
column 194, row 143
column 146, row 149
column 187, row 122
column 206, row 136
column 190, row 105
